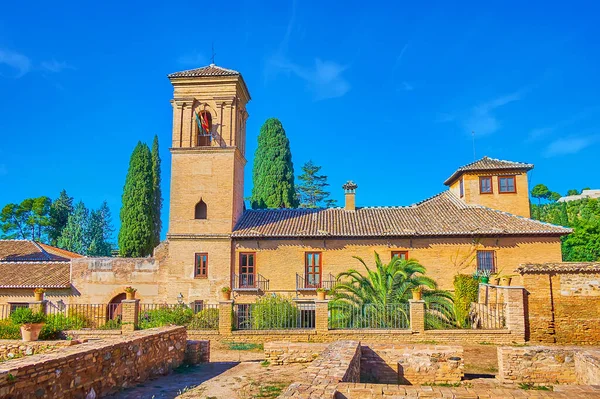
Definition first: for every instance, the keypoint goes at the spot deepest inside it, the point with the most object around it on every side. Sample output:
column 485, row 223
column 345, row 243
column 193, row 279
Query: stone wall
column 101, row 367
column 587, row 367
column 282, row 352
column 537, row 365
column 411, row 364
column 197, row 352
column 12, row 348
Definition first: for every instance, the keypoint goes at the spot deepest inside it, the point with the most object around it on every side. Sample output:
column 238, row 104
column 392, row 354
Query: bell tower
column 208, row 151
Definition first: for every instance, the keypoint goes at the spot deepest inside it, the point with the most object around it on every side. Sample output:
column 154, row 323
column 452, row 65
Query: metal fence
column 269, row 316
column 61, row 316
column 4, row 311
column 197, row 316
column 389, row 316
column 480, row 316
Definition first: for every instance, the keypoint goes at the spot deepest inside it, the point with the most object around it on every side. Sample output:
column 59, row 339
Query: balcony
column 249, row 282
column 302, row 284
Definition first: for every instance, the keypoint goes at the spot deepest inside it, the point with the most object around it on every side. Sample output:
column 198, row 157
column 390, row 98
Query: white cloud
column 481, row 118
column 193, row 59
column 568, row 145
column 15, row 62
column 55, row 66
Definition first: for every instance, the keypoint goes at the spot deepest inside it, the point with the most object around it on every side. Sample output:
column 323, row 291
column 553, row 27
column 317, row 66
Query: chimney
column 350, row 190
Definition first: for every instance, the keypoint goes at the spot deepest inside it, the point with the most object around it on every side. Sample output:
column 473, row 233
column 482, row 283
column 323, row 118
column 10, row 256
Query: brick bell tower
column 207, row 178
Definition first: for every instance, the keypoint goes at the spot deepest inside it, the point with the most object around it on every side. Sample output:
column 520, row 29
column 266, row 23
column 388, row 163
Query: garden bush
column 466, row 289
column 165, row 316
column 26, row 315
column 274, row 312
column 206, row 319
column 9, row 330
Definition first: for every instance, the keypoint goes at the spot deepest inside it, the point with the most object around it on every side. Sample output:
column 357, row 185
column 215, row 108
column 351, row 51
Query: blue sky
column 386, row 94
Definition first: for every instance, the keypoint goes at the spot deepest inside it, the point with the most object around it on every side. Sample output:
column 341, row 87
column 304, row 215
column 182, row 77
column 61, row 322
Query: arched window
column 203, row 129
column 200, row 212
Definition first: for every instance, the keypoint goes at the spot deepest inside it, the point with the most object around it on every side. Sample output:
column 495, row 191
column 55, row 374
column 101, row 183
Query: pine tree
column 273, row 174
column 73, row 237
column 59, row 214
column 28, row 220
column 99, row 231
column 311, row 190
column 156, row 193
column 135, row 236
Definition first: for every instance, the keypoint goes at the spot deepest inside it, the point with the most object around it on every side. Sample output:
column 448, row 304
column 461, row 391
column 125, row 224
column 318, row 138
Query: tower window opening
column 203, row 129
column 200, row 211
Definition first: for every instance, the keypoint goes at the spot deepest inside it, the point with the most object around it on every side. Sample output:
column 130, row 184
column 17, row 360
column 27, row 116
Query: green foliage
column 527, row 386
column 60, row 210
column 583, row 245
column 57, row 323
column 99, row 232
column 573, row 192
column 206, row 319
column 26, row 316
column 243, row 346
column 540, row 192
column 273, row 173
column 554, row 196
column 113, row 324
column 27, row 220
column 73, row 237
column 311, row 189
column 466, row 289
column 179, row 315
column 156, row 194
column 9, row 330
column 137, row 223
column 274, row 312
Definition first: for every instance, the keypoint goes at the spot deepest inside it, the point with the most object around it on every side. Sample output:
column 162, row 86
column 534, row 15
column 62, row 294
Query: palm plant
column 365, row 300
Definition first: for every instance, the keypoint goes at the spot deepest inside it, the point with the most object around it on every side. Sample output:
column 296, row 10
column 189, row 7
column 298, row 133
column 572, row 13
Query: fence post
column 417, row 315
column 321, row 316
column 130, row 315
column 225, row 317
column 514, row 298
column 38, row 306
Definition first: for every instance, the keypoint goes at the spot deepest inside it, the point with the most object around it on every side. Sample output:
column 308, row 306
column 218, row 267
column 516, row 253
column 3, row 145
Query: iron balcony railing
column 249, row 282
column 303, row 284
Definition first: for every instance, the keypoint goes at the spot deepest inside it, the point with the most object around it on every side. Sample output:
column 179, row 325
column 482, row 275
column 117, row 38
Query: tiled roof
column 27, row 250
column 441, row 215
column 487, row 163
column 35, row 274
column 210, row 70
column 560, row 267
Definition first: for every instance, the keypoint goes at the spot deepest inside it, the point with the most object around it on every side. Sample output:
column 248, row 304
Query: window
column 313, row 269
column 247, row 269
column 506, row 184
column 203, row 128
column 200, row 211
column 201, row 269
column 486, row 260
column 400, row 254
column 485, row 185
column 198, row 306
column 462, row 188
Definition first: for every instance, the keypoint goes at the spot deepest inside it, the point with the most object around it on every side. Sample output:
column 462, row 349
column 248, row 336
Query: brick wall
column 283, row 352
column 197, row 352
column 412, row 364
column 103, row 366
column 537, row 364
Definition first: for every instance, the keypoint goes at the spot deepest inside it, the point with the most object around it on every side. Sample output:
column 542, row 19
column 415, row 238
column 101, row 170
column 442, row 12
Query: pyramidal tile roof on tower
column 487, row 163
column 209, row 70
column 443, row 215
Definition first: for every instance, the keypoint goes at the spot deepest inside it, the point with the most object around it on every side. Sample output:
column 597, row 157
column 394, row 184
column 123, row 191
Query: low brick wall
column 12, row 348
column 101, row 367
column 282, row 352
column 587, row 367
column 92, row 334
column 197, row 352
column 411, row 364
column 537, row 365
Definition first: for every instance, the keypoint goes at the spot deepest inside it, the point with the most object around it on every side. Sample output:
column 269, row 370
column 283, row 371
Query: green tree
column 99, row 231
column 311, row 190
column 273, row 173
column 27, row 220
column 554, row 196
column 137, row 223
column 540, row 192
column 60, row 210
column 73, row 237
column 572, row 192
column 156, row 193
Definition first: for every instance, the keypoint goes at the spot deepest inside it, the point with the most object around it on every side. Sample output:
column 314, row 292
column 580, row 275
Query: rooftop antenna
column 473, row 134
column 212, row 58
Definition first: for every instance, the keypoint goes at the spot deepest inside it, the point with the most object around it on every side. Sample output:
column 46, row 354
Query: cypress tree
column 135, row 235
column 156, row 194
column 273, row 173
column 73, row 237
column 59, row 215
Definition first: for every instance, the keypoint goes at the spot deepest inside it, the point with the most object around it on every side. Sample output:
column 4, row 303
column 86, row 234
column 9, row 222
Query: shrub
column 57, row 323
column 466, row 289
column 9, row 330
column 206, row 319
column 113, row 324
column 26, row 316
column 274, row 312
column 165, row 316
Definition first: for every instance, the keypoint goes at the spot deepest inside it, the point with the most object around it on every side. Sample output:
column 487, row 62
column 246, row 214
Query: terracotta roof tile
column 27, row 250
column 35, row 274
column 441, row 215
column 560, row 267
column 210, row 70
column 487, row 163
